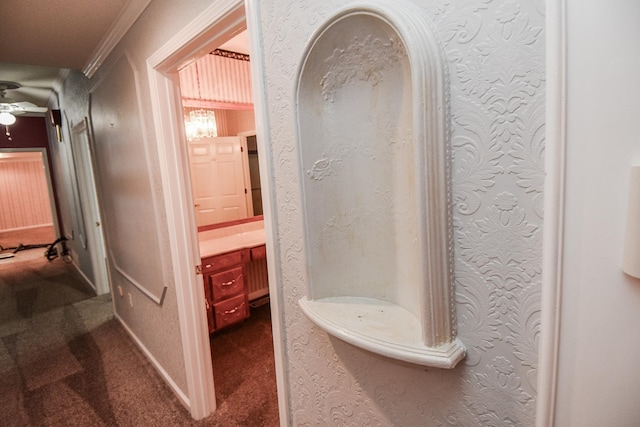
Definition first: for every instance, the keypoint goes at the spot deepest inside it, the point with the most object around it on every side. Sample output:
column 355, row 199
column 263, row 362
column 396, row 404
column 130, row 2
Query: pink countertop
column 218, row 241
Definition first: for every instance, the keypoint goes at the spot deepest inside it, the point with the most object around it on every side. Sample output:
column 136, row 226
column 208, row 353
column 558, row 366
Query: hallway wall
column 72, row 101
column 599, row 341
column 495, row 56
column 116, row 100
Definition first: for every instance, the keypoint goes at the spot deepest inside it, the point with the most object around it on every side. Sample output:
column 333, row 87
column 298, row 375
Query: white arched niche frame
column 373, row 137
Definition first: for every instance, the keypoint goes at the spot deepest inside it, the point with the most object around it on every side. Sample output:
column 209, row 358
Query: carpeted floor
column 244, row 372
column 65, row 360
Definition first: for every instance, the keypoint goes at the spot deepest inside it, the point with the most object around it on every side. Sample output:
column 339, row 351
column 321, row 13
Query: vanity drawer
column 220, row 262
column 230, row 311
column 227, row 283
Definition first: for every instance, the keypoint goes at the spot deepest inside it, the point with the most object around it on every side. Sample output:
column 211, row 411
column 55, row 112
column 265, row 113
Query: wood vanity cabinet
column 258, row 252
column 225, row 291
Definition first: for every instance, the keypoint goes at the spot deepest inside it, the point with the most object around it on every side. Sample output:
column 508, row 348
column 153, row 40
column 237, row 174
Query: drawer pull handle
column 208, row 266
column 229, row 283
column 206, row 302
column 232, row 311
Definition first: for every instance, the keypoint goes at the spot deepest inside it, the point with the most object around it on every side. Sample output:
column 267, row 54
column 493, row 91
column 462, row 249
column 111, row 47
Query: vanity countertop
column 228, row 239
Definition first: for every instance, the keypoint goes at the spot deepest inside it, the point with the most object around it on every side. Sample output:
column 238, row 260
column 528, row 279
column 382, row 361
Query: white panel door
column 230, row 178
column 89, row 207
column 202, row 183
column 217, row 180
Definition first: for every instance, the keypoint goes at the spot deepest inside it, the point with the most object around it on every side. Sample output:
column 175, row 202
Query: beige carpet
column 65, row 361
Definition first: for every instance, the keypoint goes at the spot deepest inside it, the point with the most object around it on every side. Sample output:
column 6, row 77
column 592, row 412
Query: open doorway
column 222, row 151
column 27, row 208
column 215, row 26
column 219, row 123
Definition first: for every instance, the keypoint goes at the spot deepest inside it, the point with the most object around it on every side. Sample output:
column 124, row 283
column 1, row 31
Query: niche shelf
column 373, row 138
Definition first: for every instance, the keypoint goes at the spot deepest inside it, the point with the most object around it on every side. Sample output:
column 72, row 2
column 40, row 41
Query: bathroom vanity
column 234, row 271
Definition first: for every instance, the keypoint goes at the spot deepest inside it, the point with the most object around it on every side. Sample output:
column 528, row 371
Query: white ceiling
column 239, row 44
column 40, row 39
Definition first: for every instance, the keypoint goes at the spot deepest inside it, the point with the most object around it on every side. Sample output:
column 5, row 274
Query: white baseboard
column 163, row 374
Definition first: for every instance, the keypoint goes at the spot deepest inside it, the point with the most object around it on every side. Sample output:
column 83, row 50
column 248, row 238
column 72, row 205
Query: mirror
column 225, row 178
column 222, row 144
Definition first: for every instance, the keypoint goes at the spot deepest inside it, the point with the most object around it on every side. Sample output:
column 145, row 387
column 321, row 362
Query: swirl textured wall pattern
column 494, row 51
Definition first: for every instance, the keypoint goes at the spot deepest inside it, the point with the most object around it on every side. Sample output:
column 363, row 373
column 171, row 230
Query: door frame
column 53, row 203
column 246, row 171
column 554, row 213
column 208, row 28
column 83, row 164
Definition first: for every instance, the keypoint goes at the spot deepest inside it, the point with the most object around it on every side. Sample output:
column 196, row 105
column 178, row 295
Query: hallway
column 65, row 359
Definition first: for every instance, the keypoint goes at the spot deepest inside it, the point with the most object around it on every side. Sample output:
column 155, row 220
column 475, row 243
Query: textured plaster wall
column 495, row 53
column 73, row 103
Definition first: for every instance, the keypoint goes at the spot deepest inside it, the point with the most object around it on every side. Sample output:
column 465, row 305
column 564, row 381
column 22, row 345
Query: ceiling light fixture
column 7, row 119
column 200, row 124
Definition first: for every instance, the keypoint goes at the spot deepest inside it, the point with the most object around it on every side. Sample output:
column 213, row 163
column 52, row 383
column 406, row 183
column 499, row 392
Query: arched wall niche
column 373, row 136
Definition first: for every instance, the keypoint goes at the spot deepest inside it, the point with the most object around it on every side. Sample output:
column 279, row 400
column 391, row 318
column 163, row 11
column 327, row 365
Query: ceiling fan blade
column 23, row 104
column 26, row 107
column 32, row 94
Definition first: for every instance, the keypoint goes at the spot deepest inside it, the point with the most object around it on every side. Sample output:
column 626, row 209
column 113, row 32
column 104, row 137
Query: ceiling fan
column 10, row 108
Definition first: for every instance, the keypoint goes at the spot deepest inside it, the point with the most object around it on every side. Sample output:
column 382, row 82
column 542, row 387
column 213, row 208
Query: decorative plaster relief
column 364, row 60
column 377, row 210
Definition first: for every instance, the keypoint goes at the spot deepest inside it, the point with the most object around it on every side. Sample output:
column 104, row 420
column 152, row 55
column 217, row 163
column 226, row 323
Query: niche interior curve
column 373, row 137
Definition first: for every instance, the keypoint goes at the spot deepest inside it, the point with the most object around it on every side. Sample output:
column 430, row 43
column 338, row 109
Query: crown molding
column 128, row 15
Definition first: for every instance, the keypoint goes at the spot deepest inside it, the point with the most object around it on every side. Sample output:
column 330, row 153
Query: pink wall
column 27, row 132
column 240, row 121
column 24, row 199
column 216, row 82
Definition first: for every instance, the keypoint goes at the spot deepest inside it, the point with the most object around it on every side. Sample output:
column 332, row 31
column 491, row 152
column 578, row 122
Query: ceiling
column 40, row 41
column 55, row 33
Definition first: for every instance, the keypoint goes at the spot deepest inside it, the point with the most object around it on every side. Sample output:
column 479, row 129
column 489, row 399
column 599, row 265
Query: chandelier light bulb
column 200, row 124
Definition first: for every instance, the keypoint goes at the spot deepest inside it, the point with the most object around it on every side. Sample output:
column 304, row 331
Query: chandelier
column 200, row 124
